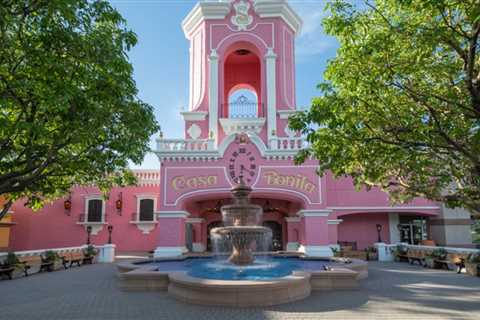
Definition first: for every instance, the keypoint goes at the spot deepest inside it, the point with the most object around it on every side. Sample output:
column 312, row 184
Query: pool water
column 264, row 268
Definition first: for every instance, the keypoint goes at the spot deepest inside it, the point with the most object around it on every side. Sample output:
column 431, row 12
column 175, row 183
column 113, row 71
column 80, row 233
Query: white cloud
column 312, row 40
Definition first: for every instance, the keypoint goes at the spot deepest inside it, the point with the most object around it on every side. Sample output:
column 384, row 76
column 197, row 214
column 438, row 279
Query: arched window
column 146, row 210
column 95, row 210
column 243, row 103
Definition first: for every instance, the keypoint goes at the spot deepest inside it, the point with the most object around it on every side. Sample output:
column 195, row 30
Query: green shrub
column 474, row 258
column 439, row 253
column 51, row 256
column 11, row 259
column 90, row 251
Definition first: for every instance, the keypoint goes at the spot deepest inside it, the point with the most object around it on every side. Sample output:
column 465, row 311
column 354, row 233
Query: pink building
column 242, row 91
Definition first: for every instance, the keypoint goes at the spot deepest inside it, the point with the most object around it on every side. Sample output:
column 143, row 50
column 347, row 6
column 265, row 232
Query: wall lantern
column 67, row 204
column 379, row 230
column 119, row 204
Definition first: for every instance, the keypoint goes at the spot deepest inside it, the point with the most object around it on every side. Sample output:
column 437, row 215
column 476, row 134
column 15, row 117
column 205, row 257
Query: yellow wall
column 5, row 232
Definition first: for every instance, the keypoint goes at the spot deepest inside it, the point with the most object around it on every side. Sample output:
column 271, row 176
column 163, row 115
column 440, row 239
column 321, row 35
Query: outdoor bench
column 27, row 262
column 71, row 258
column 416, row 256
column 7, row 270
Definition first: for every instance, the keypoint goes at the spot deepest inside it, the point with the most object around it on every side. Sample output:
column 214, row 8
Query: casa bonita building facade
column 242, row 91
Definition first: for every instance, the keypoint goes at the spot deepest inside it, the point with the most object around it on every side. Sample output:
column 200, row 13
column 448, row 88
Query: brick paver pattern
column 392, row 291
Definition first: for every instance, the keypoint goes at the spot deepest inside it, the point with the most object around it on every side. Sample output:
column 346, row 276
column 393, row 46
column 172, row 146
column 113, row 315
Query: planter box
column 372, row 256
column 429, row 263
column 472, row 269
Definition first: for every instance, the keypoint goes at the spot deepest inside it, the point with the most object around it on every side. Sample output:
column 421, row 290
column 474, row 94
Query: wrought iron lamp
column 110, row 229
column 89, row 232
column 379, row 230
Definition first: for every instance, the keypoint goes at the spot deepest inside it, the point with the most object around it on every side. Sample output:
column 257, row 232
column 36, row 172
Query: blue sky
column 160, row 59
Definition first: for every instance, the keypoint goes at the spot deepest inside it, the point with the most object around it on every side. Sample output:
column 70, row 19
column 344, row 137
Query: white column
column 270, row 59
column 393, row 221
column 213, row 95
column 106, row 253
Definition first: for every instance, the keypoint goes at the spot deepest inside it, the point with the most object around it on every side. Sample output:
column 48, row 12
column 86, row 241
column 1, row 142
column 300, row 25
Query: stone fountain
column 241, row 233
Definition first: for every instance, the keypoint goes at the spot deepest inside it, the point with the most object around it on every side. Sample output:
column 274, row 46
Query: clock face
column 242, row 163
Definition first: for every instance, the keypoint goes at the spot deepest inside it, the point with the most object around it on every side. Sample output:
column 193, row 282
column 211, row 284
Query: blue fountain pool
column 264, row 268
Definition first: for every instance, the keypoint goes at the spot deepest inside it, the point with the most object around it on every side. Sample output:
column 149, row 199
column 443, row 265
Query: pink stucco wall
column 361, row 228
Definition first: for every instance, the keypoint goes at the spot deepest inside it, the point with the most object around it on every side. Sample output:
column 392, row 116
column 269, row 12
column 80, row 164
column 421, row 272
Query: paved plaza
column 393, row 291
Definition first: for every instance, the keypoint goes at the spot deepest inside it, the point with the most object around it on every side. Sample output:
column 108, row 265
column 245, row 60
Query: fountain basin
column 290, row 280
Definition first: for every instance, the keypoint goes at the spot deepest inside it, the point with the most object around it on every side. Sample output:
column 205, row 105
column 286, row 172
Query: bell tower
column 242, row 70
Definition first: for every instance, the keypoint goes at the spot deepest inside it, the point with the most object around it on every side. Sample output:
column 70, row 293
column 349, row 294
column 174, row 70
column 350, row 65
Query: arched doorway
column 277, row 234
column 210, row 226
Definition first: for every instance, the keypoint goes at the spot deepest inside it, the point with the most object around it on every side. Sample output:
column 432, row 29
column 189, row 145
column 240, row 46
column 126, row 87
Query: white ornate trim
column 194, row 131
column 271, row 77
column 164, row 252
column 240, row 125
column 195, row 220
column 314, row 213
column 285, row 114
column 316, row 251
column 172, row 214
column 204, row 11
column 87, row 200
column 145, row 226
column 279, row 9
column 194, row 115
column 96, row 226
column 335, row 221
column 241, row 19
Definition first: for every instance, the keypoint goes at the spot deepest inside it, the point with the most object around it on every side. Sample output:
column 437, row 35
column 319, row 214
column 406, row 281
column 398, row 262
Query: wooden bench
column 71, row 258
column 87, row 259
column 7, row 270
column 27, row 262
column 414, row 255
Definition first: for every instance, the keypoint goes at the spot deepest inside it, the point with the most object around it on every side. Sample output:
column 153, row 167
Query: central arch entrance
column 277, row 235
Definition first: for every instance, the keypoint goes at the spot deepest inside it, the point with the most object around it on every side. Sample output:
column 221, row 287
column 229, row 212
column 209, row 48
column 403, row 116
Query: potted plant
column 336, row 252
column 472, row 264
column 52, row 257
column 429, row 261
column 439, row 254
column 372, row 253
column 399, row 252
column 89, row 254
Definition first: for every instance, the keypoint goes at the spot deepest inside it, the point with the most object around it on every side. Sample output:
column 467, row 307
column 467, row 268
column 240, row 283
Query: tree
column 400, row 107
column 69, row 108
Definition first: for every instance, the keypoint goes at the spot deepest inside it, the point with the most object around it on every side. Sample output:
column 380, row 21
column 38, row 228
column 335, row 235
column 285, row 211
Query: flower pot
column 429, row 263
column 472, row 268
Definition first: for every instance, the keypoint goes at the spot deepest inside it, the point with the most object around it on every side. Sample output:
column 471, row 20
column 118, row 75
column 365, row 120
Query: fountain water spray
column 241, row 234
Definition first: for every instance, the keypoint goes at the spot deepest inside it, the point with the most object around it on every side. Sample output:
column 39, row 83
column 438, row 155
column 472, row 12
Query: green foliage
column 400, row 108
column 90, row 251
column 439, row 253
column 50, row 256
column 69, row 107
column 401, row 249
column 473, row 258
column 11, row 259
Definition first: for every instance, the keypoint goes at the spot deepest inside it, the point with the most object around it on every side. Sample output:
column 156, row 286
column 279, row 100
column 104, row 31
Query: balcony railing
column 185, row 145
column 287, row 144
column 242, row 110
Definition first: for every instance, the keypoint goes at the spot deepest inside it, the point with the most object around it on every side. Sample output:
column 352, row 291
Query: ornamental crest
column 242, row 19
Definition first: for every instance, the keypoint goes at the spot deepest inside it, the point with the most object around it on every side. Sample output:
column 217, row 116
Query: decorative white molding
column 194, row 115
column 289, row 132
column 242, row 125
column 393, row 221
column 204, row 11
column 316, row 251
column 165, row 252
column 241, row 19
column 335, row 221
column 314, row 213
column 271, row 80
column 292, row 246
column 147, row 177
column 194, row 131
column 96, row 226
column 285, row 114
column 195, row 220
column 279, row 9
column 145, row 226
column 213, row 95
column 292, row 219
column 172, row 214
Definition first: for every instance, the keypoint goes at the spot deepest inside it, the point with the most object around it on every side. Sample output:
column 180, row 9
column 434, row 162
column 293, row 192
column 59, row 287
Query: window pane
column 146, row 210
column 95, row 210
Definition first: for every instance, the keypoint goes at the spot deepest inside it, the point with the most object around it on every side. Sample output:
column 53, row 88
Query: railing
column 242, row 110
column 385, row 251
column 288, row 144
column 185, row 145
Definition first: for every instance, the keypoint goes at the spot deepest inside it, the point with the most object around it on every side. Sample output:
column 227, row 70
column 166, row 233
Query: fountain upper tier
column 241, row 227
